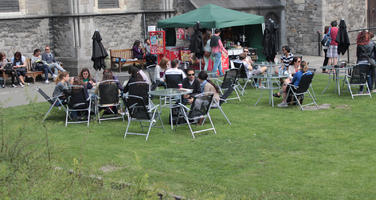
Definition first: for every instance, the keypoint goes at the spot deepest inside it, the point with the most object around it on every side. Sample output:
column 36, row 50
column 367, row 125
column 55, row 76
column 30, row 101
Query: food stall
column 239, row 28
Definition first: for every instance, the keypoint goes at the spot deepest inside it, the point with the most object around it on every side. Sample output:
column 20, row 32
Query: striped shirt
column 287, row 59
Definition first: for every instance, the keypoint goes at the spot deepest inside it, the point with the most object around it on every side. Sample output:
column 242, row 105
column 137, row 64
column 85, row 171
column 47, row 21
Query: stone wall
column 303, row 20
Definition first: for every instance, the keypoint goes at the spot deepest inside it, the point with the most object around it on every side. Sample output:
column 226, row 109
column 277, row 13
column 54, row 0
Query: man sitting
column 191, row 83
column 174, row 70
column 49, row 58
column 248, row 66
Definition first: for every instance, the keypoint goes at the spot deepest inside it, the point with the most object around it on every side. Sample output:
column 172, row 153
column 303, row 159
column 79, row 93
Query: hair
column 189, row 69
column 146, row 40
column 2, row 56
column 243, row 56
column 132, row 70
column 107, row 76
column 334, row 23
column 174, row 63
column 287, row 48
column 363, row 38
column 61, row 76
column 217, row 31
column 77, row 81
column 326, row 29
column 36, row 51
column 136, row 43
column 304, row 66
column 295, row 59
column 81, row 75
column 204, row 76
column 17, row 54
column 163, row 63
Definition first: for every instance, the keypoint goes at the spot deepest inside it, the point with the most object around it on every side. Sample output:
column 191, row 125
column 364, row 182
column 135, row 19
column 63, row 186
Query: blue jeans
column 217, row 63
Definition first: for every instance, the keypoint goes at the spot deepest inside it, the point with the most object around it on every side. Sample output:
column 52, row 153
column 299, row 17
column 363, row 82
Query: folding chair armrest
column 291, row 85
column 180, row 104
column 154, row 107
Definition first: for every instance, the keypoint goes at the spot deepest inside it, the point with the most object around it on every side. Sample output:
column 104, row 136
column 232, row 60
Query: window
column 107, row 4
column 9, row 6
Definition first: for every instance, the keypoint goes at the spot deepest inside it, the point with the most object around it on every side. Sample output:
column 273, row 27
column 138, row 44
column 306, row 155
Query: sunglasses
column 190, row 74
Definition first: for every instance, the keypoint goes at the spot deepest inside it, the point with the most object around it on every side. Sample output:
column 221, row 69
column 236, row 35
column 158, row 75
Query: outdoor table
column 170, row 93
column 269, row 85
column 335, row 71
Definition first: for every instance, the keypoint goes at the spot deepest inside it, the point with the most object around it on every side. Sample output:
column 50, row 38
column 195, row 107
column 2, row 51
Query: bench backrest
column 121, row 53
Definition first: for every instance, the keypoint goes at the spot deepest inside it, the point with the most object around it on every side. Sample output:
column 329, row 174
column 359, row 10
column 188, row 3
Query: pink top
column 218, row 48
column 333, row 35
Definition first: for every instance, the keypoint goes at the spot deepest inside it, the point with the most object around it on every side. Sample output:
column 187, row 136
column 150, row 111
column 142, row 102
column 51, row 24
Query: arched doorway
column 277, row 20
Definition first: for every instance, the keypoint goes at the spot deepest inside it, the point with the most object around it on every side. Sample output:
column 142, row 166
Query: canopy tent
column 213, row 16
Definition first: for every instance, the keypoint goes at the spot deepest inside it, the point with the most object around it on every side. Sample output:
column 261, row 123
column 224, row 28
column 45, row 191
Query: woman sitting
column 159, row 73
column 62, row 84
column 85, row 76
column 136, row 76
column 11, row 72
column 19, row 64
column 78, row 82
column 294, row 68
column 137, row 50
column 38, row 64
column 207, row 85
column 295, row 81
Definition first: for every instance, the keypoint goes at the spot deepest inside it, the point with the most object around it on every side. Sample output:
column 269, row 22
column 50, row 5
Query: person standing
column 207, row 49
column 325, row 48
column 332, row 53
column 49, row 58
column 364, row 51
column 216, row 49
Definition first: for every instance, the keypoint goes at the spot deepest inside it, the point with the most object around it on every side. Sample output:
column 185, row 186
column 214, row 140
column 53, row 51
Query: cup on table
column 180, row 86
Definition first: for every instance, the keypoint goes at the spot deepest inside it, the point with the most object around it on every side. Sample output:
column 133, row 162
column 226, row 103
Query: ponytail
column 304, row 66
column 61, row 76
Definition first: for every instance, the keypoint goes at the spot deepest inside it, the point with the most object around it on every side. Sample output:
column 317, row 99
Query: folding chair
column 230, row 81
column 313, row 70
column 243, row 74
column 297, row 93
column 78, row 102
column 173, row 80
column 357, row 78
column 54, row 102
column 109, row 101
column 222, row 100
column 138, row 111
column 199, row 110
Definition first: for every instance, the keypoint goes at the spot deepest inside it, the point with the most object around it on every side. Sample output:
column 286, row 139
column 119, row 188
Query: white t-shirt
column 174, row 71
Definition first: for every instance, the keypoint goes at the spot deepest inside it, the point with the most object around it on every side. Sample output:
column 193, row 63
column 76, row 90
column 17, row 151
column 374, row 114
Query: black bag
column 38, row 66
column 8, row 67
column 214, row 41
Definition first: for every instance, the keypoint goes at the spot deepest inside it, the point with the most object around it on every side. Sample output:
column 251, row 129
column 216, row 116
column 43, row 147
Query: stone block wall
column 303, row 20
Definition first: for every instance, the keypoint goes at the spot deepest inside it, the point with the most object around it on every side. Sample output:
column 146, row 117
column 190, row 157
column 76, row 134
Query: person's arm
column 221, row 46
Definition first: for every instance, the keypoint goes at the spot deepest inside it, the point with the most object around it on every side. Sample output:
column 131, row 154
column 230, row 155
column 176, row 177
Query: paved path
column 20, row 96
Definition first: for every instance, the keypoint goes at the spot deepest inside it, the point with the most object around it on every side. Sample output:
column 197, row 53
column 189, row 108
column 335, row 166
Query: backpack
column 326, row 40
column 214, row 41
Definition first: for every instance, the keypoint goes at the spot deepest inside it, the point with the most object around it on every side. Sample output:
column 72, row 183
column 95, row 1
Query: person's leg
column 220, row 64
column 363, row 70
column 206, row 59
column 216, row 62
column 59, row 67
column 45, row 70
column 326, row 59
column 369, row 77
column 53, row 68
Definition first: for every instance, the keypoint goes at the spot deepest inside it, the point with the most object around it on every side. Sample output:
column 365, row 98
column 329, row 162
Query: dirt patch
column 110, row 168
column 319, row 107
column 344, row 106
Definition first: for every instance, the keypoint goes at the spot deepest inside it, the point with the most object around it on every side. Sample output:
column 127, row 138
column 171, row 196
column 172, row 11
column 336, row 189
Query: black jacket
column 364, row 52
column 342, row 38
column 195, row 86
column 197, row 44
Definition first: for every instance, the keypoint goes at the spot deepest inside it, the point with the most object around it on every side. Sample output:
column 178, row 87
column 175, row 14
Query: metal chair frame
column 118, row 105
column 69, row 110
column 349, row 84
column 54, row 102
column 296, row 92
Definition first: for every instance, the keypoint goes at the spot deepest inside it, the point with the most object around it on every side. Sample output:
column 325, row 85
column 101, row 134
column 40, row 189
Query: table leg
column 327, row 86
column 171, row 107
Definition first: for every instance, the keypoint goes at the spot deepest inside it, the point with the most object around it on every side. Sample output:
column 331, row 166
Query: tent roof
column 241, row 4
column 211, row 16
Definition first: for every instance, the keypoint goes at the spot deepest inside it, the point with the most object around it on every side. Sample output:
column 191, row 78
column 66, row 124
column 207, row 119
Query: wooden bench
column 29, row 73
column 117, row 55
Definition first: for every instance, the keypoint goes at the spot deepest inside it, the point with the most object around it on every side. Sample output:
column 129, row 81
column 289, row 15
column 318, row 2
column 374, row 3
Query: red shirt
column 333, row 35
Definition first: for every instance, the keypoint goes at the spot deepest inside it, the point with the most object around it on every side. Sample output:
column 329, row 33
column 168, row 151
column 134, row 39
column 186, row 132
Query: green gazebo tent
column 213, row 16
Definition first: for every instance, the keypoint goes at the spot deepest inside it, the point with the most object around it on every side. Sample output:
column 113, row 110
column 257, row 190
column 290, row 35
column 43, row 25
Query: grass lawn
column 267, row 153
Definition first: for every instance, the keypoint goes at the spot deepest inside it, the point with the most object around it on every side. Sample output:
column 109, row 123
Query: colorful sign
column 157, row 42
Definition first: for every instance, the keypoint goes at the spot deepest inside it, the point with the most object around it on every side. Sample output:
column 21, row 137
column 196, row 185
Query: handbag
column 8, row 67
column 326, row 40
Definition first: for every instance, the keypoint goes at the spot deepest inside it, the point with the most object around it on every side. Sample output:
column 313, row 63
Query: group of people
column 16, row 67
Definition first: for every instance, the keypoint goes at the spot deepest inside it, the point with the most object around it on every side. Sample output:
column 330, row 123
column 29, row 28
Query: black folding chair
column 78, row 102
column 357, row 78
column 138, row 111
column 230, row 81
column 296, row 94
column 244, row 75
column 108, row 100
column 173, row 80
column 55, row 102
column 199, row 111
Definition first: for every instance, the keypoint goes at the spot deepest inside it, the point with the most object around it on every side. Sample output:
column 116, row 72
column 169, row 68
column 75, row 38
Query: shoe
column 47, row 82
column 373, row 91
column 22, row 85
column 28, row 84
column 283, row 105
column 13, row 85
column 276, row 95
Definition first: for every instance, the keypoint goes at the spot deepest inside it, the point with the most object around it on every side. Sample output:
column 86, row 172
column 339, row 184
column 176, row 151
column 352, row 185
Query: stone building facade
column 68, row 25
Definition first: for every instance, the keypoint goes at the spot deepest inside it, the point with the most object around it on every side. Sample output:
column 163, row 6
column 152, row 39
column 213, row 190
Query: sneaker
column 374, row 90
column 28, row 84
column 47, row 82
column 22, row 85
column 13, row 85
column 283, row 105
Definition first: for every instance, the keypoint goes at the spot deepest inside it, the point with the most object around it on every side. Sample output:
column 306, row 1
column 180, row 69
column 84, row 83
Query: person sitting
column 159, row 73
column 286, row 59
column 248, row 66
column 19, row 64
column 207, row 85
column 109, row 72
column 292, row 70
column 49, row 58
column 191, row 83
column 295, row 81
column 150, row 58
column 62, row 85
column 85, row 76
column 11, row 72
column 174, row 70
column 136, row 76
column 137, row 50
column 38, row 64
column 77, row 81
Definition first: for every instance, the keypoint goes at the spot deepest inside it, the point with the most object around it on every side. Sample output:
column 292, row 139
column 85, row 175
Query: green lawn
column 267, row 153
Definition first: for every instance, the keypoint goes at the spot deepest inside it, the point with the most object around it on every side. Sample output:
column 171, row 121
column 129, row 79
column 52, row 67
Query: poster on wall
column 157, row 42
